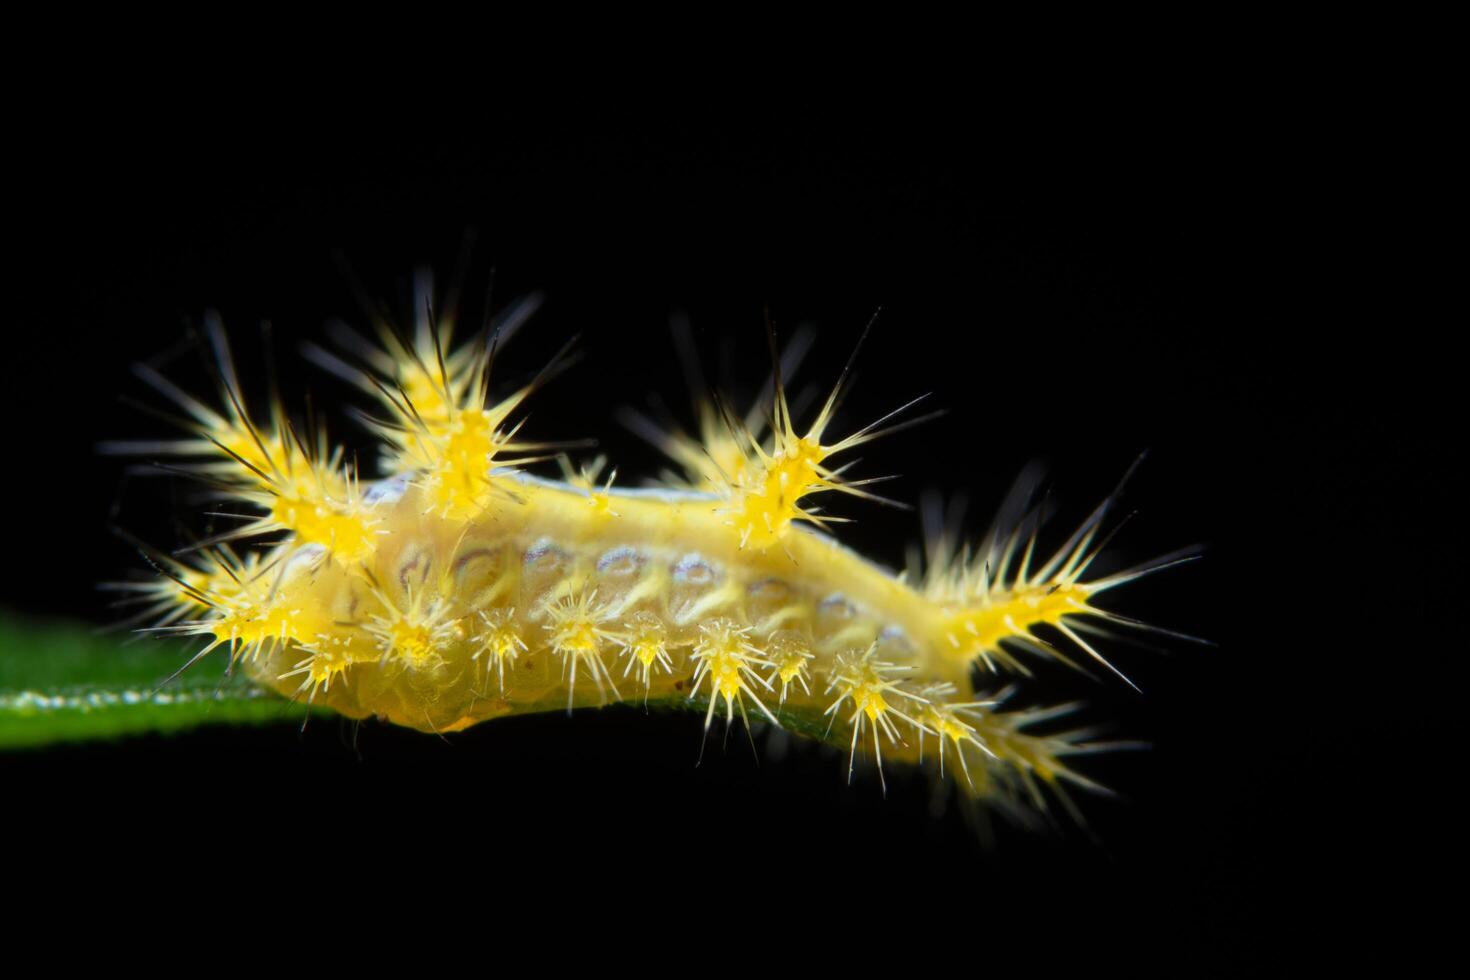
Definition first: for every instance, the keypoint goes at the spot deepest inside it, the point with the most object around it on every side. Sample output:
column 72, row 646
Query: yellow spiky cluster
column 459, row 588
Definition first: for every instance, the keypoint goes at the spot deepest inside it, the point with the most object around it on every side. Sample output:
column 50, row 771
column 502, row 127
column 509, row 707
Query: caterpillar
column 459, row 586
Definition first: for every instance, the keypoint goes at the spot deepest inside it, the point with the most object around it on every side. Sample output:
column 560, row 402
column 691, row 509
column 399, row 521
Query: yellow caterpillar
column 460, row 588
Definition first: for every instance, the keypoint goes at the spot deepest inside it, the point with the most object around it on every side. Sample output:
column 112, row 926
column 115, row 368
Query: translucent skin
column 669, row 556
column 666, row 560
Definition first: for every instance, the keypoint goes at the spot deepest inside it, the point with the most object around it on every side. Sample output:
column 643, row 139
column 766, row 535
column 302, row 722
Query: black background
column 1074, row 290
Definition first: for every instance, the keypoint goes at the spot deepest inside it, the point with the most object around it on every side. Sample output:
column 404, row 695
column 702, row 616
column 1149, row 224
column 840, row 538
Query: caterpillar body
column 460, row 588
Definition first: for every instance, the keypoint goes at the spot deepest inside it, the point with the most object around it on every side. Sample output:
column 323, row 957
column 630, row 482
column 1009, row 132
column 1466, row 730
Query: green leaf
column 64, row 682
column 806, row 722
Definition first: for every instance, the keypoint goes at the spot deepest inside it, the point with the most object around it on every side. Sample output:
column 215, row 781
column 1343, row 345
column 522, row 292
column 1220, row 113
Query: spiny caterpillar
column 459, row 587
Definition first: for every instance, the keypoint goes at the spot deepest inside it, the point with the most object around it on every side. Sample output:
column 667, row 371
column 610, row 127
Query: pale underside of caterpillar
column 460, row 588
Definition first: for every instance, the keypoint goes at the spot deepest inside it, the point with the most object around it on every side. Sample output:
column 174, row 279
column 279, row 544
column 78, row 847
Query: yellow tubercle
column 765, row 500
column 261, row 606
column 578, row 636
column 871, row 687
column 455, row 456
column 726, row 658
column 416, row 637
column 327, row 661
column 500, row 641
column 645, row 642
column 792, row 656
column 599, row 499
column 977, row 632
column 349, row 531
